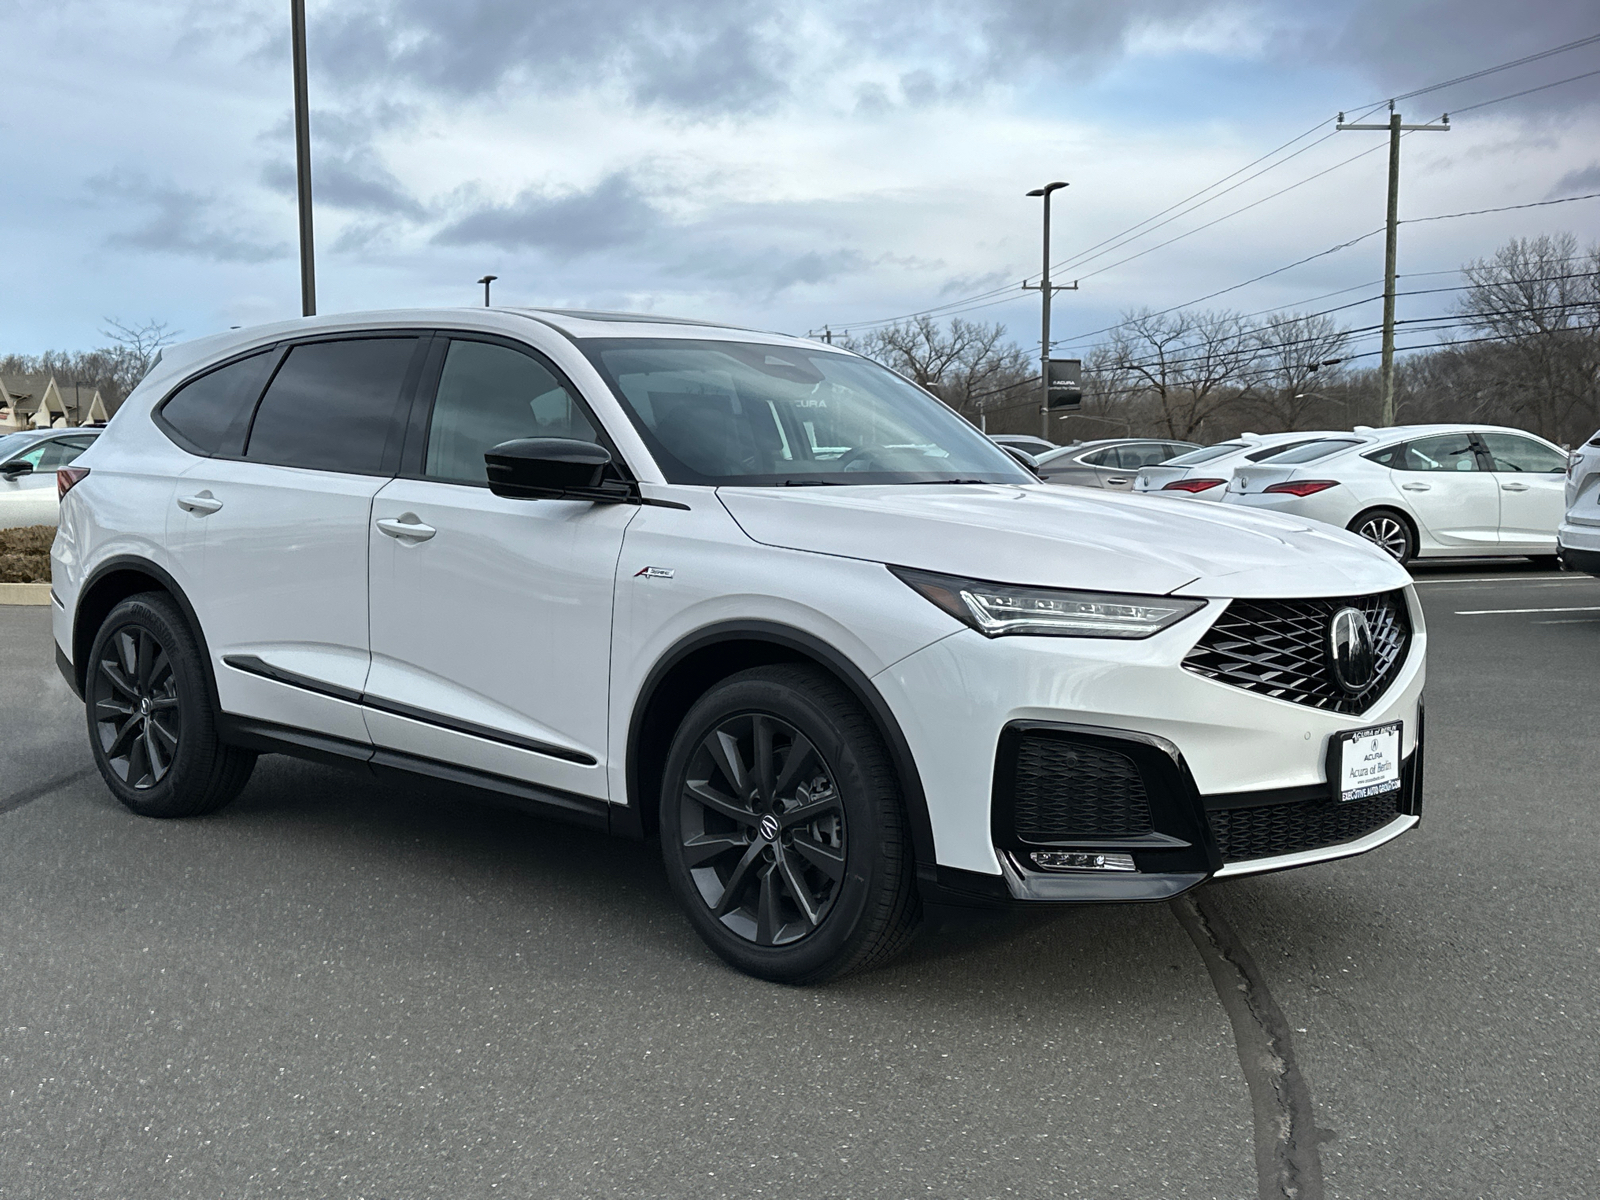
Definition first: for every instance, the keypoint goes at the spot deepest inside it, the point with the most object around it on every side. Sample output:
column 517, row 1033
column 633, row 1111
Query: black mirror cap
column 553, row 469
column 1024, row 458
column 12, row 470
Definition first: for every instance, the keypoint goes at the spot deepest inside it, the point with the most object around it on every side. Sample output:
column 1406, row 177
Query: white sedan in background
column 1421, row 491
column 28, row 463
column 1579, row 535
column 1203, row 474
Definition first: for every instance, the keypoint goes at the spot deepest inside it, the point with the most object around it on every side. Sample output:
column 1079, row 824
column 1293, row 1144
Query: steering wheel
column 845, row 460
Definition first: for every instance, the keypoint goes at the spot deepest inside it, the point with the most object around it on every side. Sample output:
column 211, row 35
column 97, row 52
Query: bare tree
column 970, row 366
column 1289, row 379
column 1187, row 365
column 140, row 345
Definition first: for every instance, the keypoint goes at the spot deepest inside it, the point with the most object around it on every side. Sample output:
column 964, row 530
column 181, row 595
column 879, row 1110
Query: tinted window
column 1176, row 448
column 1147, row 454
column 1509, row 452
column 47, row 456
column 203, row 410
column 1311, row 451
column 1272, row 452
column 331, row 405
column 1101, row 458
column 1206, row 454
column 1446, row 452
column 490, row 394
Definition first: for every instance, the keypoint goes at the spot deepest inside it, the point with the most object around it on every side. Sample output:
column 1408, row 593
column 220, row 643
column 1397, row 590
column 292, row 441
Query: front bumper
column 1579, row 546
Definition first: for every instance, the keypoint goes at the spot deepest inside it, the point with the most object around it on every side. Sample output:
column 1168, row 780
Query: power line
column 1505, row 66
column 1527, row 91
column 1478, row 212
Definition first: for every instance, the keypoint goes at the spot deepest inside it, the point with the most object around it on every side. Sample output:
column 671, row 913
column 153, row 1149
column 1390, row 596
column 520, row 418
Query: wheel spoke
column 763, row 768
column 127, row 653
column 698, row 851
column 824, row 858
column 725, row 753
column 768, row 920
column 138, row 761
column 801, row 752
column 809, row 811
column 163, row 703
column 796, row 887
column 147, row 649
column 736, row 880
column 168, row 739
column 707, row 795
column 122, row 742
column 152, row 752
column 160, row 670
column 118, row 679
column 111, row 708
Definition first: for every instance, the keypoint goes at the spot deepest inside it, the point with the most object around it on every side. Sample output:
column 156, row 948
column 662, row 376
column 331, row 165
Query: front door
column 1532, row 480
column 1456, row 503
column 491, row 618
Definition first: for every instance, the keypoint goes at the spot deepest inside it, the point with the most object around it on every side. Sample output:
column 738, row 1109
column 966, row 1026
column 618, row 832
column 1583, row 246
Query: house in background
column 42, row 402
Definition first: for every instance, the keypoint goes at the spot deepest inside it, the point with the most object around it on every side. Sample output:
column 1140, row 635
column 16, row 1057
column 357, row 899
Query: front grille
column 1279, row 648
column 1067, row 789
column 1272, row 829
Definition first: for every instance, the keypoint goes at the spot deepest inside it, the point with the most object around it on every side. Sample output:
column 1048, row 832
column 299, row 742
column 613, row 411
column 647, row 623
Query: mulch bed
column 25, row 554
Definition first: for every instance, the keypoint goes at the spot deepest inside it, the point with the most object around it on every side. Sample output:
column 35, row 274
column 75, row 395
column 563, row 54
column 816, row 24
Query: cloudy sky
column 782, row 166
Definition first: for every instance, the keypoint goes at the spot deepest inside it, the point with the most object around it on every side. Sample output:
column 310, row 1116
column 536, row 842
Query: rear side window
column 490, row 394
column 1132, row 457
column 208, row 415
column 1101, row 458
column 332, row 406
column 1508, row 452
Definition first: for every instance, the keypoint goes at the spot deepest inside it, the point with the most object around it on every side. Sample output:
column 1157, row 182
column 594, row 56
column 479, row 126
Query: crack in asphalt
column 40, row 790
column 1288, row 1158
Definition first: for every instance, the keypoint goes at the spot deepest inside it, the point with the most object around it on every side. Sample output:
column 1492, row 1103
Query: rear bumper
column 1579, row 546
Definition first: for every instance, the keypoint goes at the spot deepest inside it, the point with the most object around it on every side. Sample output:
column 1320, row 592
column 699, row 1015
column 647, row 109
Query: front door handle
column 202, row 505
column 1417, row 487
column 407, row 527
column 1118, row 481
column 1514, row 487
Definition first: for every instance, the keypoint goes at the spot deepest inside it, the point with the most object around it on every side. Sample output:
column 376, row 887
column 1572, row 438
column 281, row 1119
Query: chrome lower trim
column 1301, row 858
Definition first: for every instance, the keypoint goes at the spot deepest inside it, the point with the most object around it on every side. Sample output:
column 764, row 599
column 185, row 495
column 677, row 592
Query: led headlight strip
column 1002, row 609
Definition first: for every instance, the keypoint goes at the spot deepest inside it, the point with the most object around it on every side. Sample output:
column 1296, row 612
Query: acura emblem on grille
column 1350, row 650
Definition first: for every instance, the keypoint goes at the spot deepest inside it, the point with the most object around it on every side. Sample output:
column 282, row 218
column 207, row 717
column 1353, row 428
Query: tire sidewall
column 844, row 927
column 194, row 704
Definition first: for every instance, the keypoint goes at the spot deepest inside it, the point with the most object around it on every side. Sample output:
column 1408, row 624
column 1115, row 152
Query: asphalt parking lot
column 336, row 989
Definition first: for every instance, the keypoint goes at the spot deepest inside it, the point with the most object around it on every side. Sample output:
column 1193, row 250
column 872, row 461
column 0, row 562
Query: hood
column 1068, row 538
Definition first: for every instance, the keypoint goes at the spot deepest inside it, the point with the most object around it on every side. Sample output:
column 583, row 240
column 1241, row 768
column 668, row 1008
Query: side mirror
column 1026, row 459
column 554, row 469
column 13, row 470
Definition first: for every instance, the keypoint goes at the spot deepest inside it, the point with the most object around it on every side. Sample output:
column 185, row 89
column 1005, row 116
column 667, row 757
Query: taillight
column 68, row 478
column 1302, row 487
column 1193, row 485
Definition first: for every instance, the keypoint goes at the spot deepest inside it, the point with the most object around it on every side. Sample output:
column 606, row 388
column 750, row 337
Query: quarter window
column 1508, row 452
column 490, row 394
column 204, row 412
column 332, row 406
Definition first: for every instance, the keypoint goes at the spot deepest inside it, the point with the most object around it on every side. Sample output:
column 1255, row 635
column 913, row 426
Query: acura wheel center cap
column 768, row 828
column 1350, row 651
column 144, row 706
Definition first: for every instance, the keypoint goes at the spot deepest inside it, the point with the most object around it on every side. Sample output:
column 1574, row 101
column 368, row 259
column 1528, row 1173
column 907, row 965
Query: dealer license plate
column 1365, row 762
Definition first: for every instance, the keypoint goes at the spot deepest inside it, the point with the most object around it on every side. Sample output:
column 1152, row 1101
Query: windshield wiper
column 810, row 483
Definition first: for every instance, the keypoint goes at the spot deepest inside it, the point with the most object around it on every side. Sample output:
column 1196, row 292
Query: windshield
column 1311, row 451
column 739, row 413
column 1205, row 454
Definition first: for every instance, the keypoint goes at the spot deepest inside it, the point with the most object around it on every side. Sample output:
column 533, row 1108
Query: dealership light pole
column 1045, row 292
column 302, row 158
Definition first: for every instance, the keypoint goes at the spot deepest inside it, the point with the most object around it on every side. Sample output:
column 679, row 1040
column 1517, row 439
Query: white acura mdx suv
column 757, row 596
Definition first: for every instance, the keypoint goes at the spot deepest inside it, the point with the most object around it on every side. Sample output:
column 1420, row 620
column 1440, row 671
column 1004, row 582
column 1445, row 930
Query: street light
column 486, row 281
column 1044, row 327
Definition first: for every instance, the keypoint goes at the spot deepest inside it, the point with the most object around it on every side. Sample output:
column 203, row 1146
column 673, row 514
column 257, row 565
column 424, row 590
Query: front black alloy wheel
column 152, row 725
column 782, row 828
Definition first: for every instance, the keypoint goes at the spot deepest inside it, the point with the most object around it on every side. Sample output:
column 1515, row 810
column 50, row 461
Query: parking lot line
column 1498, row 612
column 1541, row 580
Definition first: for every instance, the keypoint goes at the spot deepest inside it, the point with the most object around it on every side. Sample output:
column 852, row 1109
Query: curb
column 24, row 593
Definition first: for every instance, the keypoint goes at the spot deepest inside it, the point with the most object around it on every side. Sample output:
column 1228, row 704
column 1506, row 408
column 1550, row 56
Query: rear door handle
column 1514, row 487
column 407, row 526
column 1118, row 481
column 1417, row 487
column 202, row 505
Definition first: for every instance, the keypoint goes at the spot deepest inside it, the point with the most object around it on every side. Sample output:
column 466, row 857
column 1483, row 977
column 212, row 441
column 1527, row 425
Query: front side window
column 1508, row 452
column 208, row 415
column 1445, row 452
column 737, row 413
column 332, row 406
column 490, row 394
column 48, row 455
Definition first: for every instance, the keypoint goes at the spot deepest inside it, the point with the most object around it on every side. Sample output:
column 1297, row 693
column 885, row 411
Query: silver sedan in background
column 1110, row 463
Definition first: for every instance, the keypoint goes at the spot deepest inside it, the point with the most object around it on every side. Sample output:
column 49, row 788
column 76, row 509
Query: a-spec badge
column 653, row 573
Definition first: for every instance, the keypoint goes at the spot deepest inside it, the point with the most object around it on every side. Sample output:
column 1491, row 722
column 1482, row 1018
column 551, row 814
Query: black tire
column 1389, row 530
column 797, row 870
column 1547, row 562
column 152, row 727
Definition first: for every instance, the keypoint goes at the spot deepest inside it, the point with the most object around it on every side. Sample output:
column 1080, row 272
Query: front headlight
column 999, row 609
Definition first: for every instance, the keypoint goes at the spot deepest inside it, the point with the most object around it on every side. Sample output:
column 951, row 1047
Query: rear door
column 1121, row 463
column 1441, row 480
column 278, row 523
column 1531, row 476
column 491, row 618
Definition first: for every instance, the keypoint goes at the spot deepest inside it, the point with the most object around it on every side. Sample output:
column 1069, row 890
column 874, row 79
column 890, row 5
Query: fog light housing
column 1074, row 860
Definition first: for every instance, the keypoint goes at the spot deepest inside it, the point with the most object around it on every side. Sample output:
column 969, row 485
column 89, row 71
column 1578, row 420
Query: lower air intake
column 1269, row 830
column 1065, row 790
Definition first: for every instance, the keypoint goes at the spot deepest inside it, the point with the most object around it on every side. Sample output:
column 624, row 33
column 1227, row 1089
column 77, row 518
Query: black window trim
column 413, row 456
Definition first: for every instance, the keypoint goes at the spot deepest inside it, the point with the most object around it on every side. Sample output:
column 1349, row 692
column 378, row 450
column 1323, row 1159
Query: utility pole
column 1395, row 128
column 486, row 281
column 302, row 157
column 1045, row 292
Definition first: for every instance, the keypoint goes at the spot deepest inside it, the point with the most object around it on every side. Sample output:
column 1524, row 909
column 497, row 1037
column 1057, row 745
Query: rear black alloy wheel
column 762, row 829
column 152, row 724
column 135, row 709
column 782, row 828
column 1388, row 531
